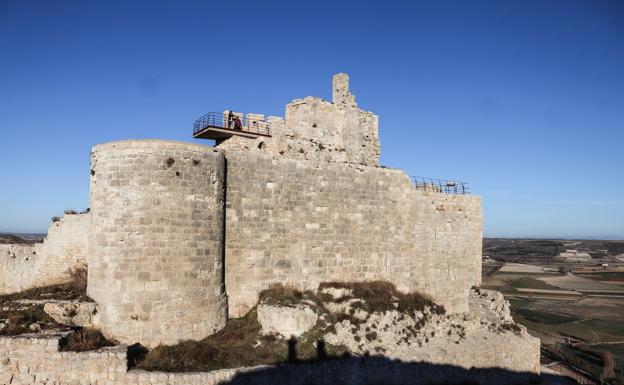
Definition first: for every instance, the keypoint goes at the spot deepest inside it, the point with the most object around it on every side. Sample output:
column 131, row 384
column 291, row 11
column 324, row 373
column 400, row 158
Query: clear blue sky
column 522, row 99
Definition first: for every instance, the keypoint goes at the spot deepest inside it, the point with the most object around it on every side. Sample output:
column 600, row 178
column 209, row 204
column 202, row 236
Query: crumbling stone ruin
column 181, row 237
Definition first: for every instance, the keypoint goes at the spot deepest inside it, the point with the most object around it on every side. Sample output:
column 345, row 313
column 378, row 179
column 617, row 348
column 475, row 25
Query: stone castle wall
column 66, row 245
column 301, row 223
column 33, row 359
column 156, row 246
column 41, row 264
column 20, row 268
column 29, row 359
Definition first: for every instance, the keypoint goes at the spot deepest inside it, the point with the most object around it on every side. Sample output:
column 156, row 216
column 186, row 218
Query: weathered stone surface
column 64, row 248
column 490, row 305
column 336, row 292
column 71, row 313
column 156, row 246
column 302, row 223
column 341, row 96
column 487, row 332
column 34, row 327
column 286, row 321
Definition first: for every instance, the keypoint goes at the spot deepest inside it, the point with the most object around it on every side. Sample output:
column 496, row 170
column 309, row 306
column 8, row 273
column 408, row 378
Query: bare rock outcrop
column 71, row 313
column 287, row 321
column 428, row 334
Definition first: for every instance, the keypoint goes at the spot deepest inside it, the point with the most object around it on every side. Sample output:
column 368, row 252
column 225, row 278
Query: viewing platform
column 219, row 126
column 440, row 185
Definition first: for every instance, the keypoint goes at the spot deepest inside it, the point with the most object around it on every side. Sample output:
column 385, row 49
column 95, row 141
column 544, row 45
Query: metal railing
column 440, row 185
column 229, row 122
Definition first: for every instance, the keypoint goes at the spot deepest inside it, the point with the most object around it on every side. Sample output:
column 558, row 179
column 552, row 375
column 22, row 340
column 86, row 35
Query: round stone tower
column 156, row 240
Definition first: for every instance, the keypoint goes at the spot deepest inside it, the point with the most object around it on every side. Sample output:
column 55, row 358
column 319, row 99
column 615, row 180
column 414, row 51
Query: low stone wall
column 31, row 359
column 47, row 263
column 37, row 360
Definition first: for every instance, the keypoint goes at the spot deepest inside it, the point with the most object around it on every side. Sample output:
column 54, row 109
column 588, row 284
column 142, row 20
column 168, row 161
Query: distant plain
column 569, row 293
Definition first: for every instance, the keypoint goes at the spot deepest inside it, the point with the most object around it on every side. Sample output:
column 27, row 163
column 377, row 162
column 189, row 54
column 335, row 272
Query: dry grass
column 19, row 319
column 78, row 283
column 83, row 340
column 240, row 343
column 75, row 289
column 20, row 316
column 510, row 327
column 278, row 294
column 231, row 347
column 382, row 296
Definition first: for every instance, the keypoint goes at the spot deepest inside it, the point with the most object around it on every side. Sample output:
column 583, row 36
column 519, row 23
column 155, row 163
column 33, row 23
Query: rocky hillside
column 360, row 319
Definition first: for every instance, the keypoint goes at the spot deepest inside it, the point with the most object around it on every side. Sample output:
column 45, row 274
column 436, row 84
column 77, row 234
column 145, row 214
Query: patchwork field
column 585, row 285
column 575, row 307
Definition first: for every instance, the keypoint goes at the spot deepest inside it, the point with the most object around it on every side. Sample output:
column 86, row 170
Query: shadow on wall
column 383, row 371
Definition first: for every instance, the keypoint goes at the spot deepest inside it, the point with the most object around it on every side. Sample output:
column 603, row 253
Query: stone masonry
column 156, row 204
column 317, row 130
column 301, row 223
column 47, row 263
column 156, row 246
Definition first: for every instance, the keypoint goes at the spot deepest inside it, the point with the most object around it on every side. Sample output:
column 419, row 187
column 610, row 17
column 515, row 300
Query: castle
column 182, row 236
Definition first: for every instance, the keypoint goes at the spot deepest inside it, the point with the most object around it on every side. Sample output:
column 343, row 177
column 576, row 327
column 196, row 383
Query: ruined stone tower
column 341, row 96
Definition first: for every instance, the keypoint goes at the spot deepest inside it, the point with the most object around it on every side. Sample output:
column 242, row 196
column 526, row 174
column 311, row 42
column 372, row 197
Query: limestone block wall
column 30, row 359
column 64, row 248
column 35, row 359
column 302, row 223
column 20, row 267
column 156, row 247
column 326, row 131
column 66, row 244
